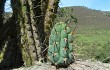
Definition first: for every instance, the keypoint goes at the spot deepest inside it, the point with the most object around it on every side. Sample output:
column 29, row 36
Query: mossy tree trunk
column 12, row 56
column 35, row 17
column 27, row 31
column 30, row 42
column 50, row 15
column 2, row 3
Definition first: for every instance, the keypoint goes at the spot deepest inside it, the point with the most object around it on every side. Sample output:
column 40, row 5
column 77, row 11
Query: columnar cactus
column 60, row 51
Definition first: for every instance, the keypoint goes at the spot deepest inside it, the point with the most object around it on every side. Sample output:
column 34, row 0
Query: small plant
column 60, row 51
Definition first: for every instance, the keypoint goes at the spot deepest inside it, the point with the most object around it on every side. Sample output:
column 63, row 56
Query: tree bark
column 36, row 17
column 27, row 31
column 30, row 42
column 12, row 56
column 2, row 4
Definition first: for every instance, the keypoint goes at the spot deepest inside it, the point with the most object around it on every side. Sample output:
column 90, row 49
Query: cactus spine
column 60, row 51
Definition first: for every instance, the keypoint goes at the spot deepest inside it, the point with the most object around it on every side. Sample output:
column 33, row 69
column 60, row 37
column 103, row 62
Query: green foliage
column 60, row 50
column 93, row 44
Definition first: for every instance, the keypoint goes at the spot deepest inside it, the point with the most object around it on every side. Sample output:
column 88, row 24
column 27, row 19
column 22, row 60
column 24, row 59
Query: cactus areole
column 60, row 51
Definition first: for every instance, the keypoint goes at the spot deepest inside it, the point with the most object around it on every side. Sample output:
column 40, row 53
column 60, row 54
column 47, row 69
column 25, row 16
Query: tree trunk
column 50, row 16
column 30, row 42
column 35, row 17
column 27, row 31
column 2, row 3
column 12, row 56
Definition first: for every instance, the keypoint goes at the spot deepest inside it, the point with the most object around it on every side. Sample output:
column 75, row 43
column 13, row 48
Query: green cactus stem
column 60, row 51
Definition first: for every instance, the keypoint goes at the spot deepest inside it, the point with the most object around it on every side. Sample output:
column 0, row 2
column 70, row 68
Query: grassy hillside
column 88, row 18
column 93, row 30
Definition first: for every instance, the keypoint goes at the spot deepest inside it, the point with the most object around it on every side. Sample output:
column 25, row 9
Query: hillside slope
column 88, row 18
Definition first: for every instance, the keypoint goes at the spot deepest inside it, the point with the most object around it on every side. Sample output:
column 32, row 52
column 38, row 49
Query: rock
column 78, row 65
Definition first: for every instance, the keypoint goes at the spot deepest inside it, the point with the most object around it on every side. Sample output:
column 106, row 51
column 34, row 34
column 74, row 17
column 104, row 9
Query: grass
column 93, row 44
